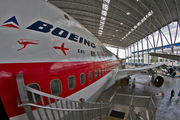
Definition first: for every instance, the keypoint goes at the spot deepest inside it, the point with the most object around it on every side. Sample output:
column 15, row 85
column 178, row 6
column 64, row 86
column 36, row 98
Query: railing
column 135, row 101
column 50, row 107
column 133, row 115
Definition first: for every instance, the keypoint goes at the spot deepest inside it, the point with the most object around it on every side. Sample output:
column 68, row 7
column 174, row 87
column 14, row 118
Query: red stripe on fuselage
column 42, row 74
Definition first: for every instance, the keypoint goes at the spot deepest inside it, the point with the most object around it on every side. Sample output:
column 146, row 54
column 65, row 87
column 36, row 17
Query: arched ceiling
column 119, row 28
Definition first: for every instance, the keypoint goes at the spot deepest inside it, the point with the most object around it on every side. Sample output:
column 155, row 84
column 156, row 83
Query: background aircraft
column 168, row 56
column 166, row 69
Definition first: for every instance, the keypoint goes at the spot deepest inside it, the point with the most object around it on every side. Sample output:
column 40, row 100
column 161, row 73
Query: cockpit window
column 66, row 16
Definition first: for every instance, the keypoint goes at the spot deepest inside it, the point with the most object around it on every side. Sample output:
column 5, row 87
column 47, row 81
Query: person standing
column 172, row 93
column 179, row 95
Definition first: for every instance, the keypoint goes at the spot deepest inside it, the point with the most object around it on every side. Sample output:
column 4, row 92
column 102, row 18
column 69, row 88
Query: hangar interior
column 139, row 27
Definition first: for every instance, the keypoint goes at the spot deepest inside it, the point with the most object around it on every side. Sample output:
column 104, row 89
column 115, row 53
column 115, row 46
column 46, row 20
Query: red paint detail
column 42, row 74
column 102, row 53
column 10, row 25
column 61, row 48
column 25, row 42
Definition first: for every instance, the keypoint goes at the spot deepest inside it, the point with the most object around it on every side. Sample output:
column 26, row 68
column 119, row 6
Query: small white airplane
column 49, row 47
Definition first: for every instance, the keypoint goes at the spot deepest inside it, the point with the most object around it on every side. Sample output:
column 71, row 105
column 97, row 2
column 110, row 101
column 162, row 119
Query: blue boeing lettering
column 86, row 42
column 41, row 27
column 73, row 37
column 81, row 40
column 60, row 32
column 45, row 28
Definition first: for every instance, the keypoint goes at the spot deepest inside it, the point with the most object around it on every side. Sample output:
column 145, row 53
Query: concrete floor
column 167, row 109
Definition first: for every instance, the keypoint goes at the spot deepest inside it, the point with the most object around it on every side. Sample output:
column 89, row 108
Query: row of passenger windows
column 72, row 79
column 56, row 86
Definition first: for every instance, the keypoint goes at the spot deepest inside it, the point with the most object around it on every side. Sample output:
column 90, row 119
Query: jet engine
column 168, row 70
column 157, row 80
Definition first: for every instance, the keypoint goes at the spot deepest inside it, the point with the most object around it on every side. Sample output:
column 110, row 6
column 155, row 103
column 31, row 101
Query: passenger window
column 37, row 97
column 103, row 71
column 71, row 82
column 90, row 75
column 99, row 72
column 83, row 79
column 95, row 73
column 56, row 87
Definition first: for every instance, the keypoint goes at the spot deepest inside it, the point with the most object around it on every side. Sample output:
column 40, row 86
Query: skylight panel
column 102, row 22
column 103, row 18
column 101, row 27
column 106, row 1
column 105, row 7
column 104, row 13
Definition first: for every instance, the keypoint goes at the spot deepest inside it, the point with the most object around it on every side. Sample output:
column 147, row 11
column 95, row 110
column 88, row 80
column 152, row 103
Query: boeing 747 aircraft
column 54, row 53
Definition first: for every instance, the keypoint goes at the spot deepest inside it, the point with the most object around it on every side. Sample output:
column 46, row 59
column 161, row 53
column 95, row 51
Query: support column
column 131, row 55
column 128, row 54
column 161, row 43
column 138, row 53
column 172, row 46
column 134, row 54
column 154, row 47
column 147, row 49
column 125, row 56
column 142, row 51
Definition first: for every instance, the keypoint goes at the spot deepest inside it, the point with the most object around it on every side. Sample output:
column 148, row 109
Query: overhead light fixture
column 128, row 13
column 137, row 0
column 116, row 30
column 113, row 35
column 110, row 39
column 121, row 23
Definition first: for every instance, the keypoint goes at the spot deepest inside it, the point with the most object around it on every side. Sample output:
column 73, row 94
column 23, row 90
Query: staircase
column 50, row 107
column 111, row 118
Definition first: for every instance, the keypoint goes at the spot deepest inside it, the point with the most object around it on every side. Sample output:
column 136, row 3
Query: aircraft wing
column 128, row 72
column 168, row 56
